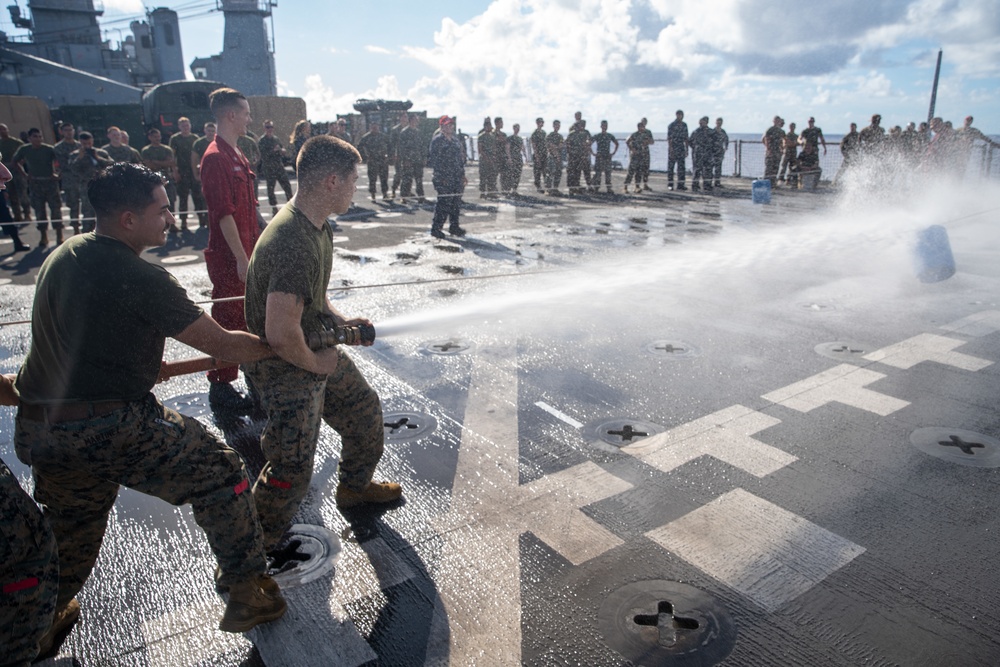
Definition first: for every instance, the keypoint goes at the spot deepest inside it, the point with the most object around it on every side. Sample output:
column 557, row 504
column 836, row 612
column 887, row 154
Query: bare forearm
column 206, row 335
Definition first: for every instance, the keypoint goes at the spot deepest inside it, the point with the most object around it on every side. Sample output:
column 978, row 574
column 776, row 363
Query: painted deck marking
column 725, row 435
column 841, row 384
column 765, row 552
column 562, row 416
column 979, row 324
column 927, row 347
column 479, row 575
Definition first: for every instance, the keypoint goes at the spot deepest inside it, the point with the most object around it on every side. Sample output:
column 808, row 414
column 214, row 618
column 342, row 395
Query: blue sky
column 745, row 60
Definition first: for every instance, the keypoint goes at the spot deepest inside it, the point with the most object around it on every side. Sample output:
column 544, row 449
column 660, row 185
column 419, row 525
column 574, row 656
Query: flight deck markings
column 927, row 347
column 845, row 384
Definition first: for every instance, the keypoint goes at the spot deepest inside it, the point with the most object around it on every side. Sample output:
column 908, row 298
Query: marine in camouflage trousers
column 29, row 573
column 78, row 467
column 296, row 400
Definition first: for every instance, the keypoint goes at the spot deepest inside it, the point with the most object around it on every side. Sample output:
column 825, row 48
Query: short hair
column 153, row 129
column 183, row 119
column 223, row 99
column 323, row 155
column 34, row 130
column 122, row 187
column 114, row 127
column 85, row 135
column 539, row 120
column 498, row 119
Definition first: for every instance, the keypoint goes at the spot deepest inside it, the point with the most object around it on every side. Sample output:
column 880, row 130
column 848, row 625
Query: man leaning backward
column 88, row 423
column 286, row 301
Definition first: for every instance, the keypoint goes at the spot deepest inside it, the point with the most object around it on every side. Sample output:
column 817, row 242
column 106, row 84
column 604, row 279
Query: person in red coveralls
column 230, row 192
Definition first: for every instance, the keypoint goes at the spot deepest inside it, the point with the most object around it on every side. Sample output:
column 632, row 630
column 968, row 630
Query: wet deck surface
column 669, row 429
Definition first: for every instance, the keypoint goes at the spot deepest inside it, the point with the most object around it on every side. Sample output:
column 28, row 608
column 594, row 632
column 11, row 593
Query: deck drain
column 956, row 445
column 190, row 405
column 622, row 432
column 673, row 349
column 307, row 553
column 448, row 346
column 407, row 426
column 666, row 623
column 388, row 214
column 843, row 350
column 180, row 259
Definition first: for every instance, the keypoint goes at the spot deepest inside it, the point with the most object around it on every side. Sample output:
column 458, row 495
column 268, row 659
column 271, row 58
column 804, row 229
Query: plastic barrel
column 761, row 191
column 933, row 255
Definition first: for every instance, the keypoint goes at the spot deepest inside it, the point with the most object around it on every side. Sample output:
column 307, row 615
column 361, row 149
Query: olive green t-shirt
column 181, row 146
column 39, row 160
column 292, row 256
column 98, row 323
column 8, row 147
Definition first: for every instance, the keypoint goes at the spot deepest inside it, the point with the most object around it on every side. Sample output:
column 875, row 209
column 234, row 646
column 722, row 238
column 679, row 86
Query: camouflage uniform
column 70, row 183
column 539, row 154
column 87, row 431
column 553, row 162
column 295, row 399
column 29, row 573
column 79, row 465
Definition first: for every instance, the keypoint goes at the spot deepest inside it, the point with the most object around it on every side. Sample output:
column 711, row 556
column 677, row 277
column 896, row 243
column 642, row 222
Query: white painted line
column 767, row 553
column 553, row 514
column 927, row 347
column 979, row 324
column 559, row 415
column 724, row 435
column 480, row 566
column 841, row 384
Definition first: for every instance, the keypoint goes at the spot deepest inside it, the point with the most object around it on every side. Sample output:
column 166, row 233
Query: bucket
column 761, row 191
column 933, row 255
column 809, row 181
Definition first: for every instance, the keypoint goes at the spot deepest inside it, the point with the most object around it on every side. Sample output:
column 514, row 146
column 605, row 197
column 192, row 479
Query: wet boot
column 252, row 603
column 374, row 492
column 62, row 623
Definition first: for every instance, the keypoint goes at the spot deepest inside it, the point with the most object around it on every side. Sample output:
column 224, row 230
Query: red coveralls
column 228, row 186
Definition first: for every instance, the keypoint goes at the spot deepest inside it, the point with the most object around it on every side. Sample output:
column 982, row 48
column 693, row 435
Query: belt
column 68, row 412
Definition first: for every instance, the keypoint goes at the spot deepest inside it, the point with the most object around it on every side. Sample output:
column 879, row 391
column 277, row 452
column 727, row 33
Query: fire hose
column 317, row 340
column 339, row 335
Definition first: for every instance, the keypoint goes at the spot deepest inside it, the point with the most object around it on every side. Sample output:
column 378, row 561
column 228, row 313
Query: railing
column 745, row 158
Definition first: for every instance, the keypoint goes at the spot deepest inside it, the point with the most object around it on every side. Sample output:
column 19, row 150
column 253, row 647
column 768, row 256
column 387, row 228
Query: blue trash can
column 761, row 191
column 933, row 255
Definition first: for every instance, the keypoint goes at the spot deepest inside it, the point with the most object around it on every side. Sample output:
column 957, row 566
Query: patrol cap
column 445, row 120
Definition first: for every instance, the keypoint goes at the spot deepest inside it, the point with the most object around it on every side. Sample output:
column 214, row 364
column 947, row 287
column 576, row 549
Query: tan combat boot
column 375, row 492
column 62, row 621
column 250, row 604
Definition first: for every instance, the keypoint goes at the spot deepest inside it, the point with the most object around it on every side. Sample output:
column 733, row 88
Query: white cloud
column 371, row 48
column 748, row 59
column 324, row 103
